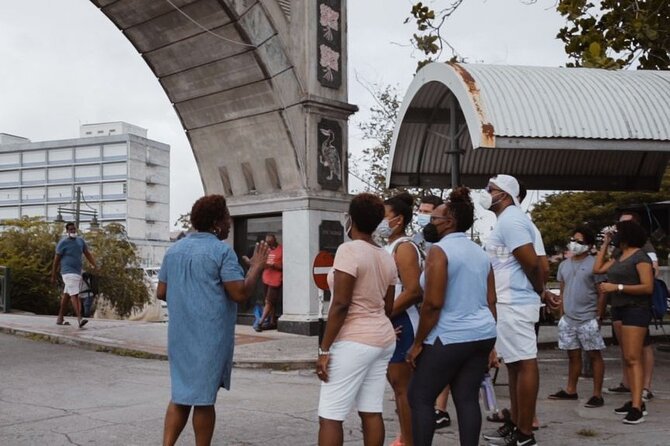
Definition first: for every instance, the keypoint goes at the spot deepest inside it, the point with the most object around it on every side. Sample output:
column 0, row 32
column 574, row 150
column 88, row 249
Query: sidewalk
column 270, row 349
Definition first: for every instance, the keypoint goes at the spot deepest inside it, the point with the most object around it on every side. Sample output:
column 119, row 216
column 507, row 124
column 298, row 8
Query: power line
column 218, row 36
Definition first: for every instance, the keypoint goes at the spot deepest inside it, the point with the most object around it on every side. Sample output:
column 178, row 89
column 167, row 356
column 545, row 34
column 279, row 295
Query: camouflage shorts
column 585, row 336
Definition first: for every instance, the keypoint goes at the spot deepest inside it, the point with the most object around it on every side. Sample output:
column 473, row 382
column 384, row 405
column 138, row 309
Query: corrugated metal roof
column 554, row 128
column 574, row 102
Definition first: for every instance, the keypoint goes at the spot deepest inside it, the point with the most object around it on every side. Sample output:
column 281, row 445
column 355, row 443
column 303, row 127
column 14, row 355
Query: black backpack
column 659, row 300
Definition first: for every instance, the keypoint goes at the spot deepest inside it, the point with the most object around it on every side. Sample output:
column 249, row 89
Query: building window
column 9, row 160
column 33, row 176
column 60, row 174
column 115, row 209
column 10, row 212
column 60, row 156
column 116, row 170
column 9, row 196
column 9, row 178
column 32, row 211
column 33, row 194
column 59, row 193
column 87, row 153
column 90, row 191
column 113, row 190
column 115, row 151
column 34, row 157
column 91, row 172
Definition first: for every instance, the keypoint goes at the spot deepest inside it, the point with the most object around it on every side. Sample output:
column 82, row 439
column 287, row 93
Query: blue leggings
column 460, row 365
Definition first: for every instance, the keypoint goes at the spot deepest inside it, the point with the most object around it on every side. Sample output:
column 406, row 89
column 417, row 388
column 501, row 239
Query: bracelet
column 323, row 352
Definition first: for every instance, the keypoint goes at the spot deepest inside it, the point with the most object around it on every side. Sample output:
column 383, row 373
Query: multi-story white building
column 123, row 176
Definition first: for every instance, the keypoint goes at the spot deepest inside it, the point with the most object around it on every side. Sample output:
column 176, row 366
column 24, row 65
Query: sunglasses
column 490, row 189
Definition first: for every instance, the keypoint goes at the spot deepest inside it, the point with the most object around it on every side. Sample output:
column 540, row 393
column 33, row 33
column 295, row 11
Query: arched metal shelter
column 553, row 128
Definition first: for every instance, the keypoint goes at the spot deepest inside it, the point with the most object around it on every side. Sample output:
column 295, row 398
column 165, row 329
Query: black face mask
column 615, row 241
column 430, row 233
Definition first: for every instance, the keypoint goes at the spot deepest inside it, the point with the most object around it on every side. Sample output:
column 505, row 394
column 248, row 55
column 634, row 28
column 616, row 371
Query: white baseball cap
column 507, row 184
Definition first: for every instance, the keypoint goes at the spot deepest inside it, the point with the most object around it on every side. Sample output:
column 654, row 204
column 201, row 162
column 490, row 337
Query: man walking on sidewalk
column 68, row 261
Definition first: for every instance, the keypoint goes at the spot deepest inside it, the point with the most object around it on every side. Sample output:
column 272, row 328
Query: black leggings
column 460, row 365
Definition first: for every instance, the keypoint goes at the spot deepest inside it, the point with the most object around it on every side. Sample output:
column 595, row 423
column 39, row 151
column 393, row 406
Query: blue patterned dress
column 201, row 329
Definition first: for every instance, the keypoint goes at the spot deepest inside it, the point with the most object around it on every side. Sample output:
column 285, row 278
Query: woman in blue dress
column 202, row 282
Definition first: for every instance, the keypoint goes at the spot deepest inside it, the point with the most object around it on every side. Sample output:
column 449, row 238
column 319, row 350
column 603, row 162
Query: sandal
column 83, row 322
column 63, row 323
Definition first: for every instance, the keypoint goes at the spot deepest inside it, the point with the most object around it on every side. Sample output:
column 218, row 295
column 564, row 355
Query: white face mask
column 347, row 226
column 422, row 219
column 486, row 200
column 72, row 234
column 577, row 248
column 384, row 230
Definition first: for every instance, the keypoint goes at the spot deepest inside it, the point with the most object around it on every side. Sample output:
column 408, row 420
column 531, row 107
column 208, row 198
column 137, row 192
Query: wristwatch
column 323, row 352
column 620, row 287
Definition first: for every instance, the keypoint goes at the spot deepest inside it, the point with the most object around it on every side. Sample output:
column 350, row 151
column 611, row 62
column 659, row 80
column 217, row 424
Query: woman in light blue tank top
column 457, row 329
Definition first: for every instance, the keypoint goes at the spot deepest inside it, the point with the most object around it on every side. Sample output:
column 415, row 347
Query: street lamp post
column 78, row 212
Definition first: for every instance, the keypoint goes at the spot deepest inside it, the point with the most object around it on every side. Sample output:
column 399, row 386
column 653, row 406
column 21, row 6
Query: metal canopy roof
column 553, row 128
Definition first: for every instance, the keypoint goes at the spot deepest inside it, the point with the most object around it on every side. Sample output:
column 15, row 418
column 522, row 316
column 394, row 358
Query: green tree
column 27, row 246
column 121, row 278
column 371, row 167
column 615, row 33
column 184, row 222
column 558, row 214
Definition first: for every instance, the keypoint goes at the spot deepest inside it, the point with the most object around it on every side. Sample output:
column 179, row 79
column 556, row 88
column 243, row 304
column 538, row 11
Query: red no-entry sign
column 323, row 262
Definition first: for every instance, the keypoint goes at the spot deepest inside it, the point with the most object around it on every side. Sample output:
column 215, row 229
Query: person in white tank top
column 405, row 316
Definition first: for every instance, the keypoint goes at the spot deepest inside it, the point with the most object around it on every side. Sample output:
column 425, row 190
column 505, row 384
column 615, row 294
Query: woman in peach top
column 359, row 338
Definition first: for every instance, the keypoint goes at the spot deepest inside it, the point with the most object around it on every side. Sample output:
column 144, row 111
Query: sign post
column 323, row 262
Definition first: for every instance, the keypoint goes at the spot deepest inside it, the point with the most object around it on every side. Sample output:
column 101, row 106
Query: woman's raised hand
column 260, row 257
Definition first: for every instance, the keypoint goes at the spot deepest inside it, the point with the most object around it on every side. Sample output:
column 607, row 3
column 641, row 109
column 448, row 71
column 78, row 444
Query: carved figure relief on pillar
column 329, row 43
column 329, row 173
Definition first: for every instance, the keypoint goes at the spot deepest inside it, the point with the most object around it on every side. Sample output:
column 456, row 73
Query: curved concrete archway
column 240, row 76
column 260, row 88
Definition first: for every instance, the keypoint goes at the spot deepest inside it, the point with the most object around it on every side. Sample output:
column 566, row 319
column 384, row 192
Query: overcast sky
column 63, row 63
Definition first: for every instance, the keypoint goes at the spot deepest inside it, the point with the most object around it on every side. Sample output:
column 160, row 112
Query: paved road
column 63, row 395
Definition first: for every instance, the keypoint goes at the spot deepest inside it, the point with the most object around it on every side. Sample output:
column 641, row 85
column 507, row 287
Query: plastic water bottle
column 488, row 394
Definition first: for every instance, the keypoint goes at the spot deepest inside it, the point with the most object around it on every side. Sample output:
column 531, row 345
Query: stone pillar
column 301, row 244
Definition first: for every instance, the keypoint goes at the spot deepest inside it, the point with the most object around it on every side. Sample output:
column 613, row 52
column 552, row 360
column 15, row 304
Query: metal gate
column 4, row 289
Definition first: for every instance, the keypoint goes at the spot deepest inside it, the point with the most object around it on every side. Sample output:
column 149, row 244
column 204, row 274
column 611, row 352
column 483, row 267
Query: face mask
column 384, row 230
column 486, row 200
column 422, row 220
column 577, row 248
column 616, row 240
column 430, row 233
column 72, row 234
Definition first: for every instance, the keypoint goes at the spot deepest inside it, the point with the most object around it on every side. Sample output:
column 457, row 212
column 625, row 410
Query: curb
column 87, row 345
column 277, row 365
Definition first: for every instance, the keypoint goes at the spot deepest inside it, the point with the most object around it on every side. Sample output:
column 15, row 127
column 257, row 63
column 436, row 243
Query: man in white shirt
column 519, row 283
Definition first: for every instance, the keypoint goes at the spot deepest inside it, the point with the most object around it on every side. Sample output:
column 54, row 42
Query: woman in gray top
column 630, row 282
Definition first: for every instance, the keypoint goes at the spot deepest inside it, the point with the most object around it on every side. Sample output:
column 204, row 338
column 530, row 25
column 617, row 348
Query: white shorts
column 356, row 374
column 585, row 336
column 516, row 332
column 72, row 284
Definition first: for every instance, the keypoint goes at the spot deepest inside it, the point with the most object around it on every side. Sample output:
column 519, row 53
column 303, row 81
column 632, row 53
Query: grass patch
column 128, row 353
column 587, row 433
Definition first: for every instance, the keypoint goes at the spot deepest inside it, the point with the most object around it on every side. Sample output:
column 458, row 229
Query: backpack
column 659, row 300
